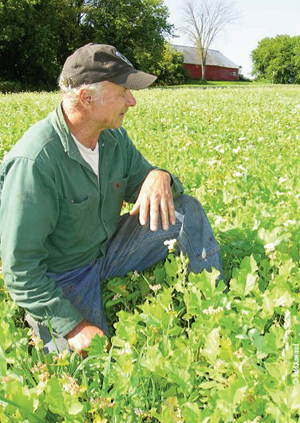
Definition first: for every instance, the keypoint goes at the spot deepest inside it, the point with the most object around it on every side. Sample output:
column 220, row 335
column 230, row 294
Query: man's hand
column 156, row 197
column 81, row 336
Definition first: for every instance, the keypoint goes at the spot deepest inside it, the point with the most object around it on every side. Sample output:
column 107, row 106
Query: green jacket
column 55, row 215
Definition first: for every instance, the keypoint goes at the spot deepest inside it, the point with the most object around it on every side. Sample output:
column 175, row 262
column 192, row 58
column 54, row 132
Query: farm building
column 218, row 67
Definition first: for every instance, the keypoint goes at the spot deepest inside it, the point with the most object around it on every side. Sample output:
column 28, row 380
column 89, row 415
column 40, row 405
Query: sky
column 256, row 19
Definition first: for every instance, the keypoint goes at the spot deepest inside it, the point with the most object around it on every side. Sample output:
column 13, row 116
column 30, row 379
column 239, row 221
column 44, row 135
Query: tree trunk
column 203, row 72
column 203, row 64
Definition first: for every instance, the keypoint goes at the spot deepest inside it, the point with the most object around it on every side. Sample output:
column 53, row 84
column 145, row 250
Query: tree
column 135, row 27
column 276, row 60
column 296, row 59
column 204, row 20
column 170, row 69
column 35, row 37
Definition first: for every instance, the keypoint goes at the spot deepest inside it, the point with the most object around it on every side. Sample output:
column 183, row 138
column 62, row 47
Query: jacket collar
column 60, row 125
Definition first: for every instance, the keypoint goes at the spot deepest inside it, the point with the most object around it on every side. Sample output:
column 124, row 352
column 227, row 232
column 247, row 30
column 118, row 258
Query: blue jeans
column 134, row 247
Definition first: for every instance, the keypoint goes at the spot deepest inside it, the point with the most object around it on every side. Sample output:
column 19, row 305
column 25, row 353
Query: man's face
column 110, row 109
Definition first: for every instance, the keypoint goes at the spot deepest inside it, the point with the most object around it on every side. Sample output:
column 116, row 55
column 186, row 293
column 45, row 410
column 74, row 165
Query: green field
column 182, row 350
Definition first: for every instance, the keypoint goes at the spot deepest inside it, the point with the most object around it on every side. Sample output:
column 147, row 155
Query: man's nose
column 130, row 100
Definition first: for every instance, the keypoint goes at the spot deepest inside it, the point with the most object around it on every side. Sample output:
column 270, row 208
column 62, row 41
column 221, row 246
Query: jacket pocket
column 77, row 224
column 112, row 203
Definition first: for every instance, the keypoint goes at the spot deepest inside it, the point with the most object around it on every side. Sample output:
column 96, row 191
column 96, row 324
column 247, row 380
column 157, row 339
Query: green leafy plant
column 183, row 350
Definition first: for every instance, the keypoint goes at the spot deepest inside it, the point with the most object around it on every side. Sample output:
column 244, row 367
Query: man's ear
column 85, row 97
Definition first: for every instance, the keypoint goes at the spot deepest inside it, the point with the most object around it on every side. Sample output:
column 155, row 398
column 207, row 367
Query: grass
column 215, row 84
column 182, row 350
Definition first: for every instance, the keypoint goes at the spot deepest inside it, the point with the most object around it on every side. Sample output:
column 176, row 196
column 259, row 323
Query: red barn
column 218, row 67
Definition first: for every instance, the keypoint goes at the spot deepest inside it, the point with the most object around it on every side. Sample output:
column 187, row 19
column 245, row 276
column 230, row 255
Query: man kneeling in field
column 62, row 188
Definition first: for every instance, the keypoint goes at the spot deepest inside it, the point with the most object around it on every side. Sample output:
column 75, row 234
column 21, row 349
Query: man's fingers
column 154, row 211
column 167, row 213
column 171, row 209
column 135, row 209
column 157, row 206
column 82, row 353
column 141, row 207
column 164, row 214
column 81, row 336
column 156, row 199
column 144, row 210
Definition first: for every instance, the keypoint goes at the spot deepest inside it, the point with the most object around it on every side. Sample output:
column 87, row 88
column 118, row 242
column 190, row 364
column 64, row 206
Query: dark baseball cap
column 100, row 62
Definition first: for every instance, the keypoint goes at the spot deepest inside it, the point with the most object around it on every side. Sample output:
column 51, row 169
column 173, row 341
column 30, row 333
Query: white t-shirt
column 89, row 155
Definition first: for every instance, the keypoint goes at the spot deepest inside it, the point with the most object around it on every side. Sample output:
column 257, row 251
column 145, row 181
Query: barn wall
column 213, row 73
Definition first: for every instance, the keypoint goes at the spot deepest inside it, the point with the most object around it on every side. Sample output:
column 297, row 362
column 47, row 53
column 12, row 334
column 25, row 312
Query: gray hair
column 71, row 94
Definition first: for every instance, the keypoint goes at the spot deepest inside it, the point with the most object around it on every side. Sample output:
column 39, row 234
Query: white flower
column 212, row 162
column 170, row 243
column 219, row 219
column 239, row 353
column 211, row 310
column 219, row 149
column 138, row 412
column 126, row 349
column 269, row 247
column 155, row 287
column 117, row 296
column 282, row 180
column 289, row 222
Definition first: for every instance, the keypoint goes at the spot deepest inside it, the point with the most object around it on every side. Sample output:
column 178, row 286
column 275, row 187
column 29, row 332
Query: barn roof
column 214, row 57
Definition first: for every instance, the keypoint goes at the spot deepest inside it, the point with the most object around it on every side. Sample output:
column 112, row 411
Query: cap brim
column 134, row 79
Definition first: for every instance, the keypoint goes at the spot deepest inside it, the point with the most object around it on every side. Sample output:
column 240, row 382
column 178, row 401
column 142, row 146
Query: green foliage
column 135, row 27
column 10, row 86
column 36, row 36
column 186, row 351
column 169, row 69
column 277, row 60
column 182, row 349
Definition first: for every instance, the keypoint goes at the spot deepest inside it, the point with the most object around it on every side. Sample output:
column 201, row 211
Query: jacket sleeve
column 138, row 169
column 28, row 214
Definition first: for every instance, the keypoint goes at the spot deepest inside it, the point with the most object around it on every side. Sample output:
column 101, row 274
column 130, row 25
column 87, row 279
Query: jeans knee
column 196, row 229
column 186, row 204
